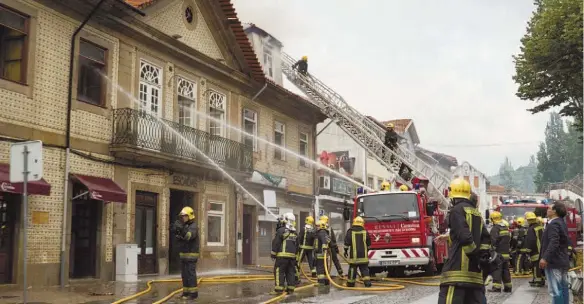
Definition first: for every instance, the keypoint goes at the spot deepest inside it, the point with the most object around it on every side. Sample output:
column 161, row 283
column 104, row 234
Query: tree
column 555, row 143
column 542, row 176
column 573, row 152
column 506, row 173
column 548, row 69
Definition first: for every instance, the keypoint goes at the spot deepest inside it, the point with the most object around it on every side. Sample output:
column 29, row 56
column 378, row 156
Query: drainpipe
column 68, row 139
column 259, row 92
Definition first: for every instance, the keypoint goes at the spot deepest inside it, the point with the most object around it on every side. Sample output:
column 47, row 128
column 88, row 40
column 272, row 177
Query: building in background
column 478, row 181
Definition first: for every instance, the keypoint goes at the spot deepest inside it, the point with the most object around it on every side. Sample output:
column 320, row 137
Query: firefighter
column 391, row 139
column 462, row 280
column 357, row 244
column 187, row 233
column 305, row 247
column 521, row 260
column 301, row 65
column 403, row 188
column 334, row 247
column 533, row 244
column 385, row 186
column 321, row 245
column 500, row 242
column 284, row 253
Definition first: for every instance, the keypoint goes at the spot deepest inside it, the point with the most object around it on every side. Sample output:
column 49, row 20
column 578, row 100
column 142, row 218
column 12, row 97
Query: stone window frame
column 30, row 47
column 301, row 163
column 215, row 90
column 282, row 157
column 223, row 215
column 195, row 98
column 195, row 11
column 257, row 126
column 144, row 55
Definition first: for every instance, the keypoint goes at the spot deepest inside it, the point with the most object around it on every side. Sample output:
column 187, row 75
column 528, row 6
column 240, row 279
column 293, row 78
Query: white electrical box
column 239, row 246
column 127, row 262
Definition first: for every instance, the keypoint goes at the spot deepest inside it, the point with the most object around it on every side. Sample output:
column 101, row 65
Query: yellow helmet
column 358, row 221
column 389, row 125
column 459, row 188
column 403, row 188
column 530, row 216
column 495, row 216
column 324, row 219
column 309, row 220
column 385, row 186
column 320, row 224
column 188, row 211
column 305, row 58
column 520, row 221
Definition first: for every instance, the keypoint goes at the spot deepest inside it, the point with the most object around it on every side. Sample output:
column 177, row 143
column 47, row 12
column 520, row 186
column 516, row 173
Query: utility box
column 127, row 262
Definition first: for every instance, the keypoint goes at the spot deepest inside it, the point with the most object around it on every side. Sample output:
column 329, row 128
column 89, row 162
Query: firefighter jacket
column 321, row 243
column 188, row 239
column 501, row 240
column 284, row 244
column 358, row 241
column 533, row 241
column 306, row 238
column 469, row 241
column 391, row 138
column 519, row 239
column 302, row 65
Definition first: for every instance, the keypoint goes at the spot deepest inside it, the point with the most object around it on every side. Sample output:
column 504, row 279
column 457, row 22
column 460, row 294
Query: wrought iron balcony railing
column 138, row 129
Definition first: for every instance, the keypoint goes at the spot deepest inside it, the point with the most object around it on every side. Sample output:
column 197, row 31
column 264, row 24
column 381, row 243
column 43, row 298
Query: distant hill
column 522, row 176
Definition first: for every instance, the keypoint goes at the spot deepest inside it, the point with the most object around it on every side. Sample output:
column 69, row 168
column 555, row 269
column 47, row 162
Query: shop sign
column 341, row 186
column 184, row 180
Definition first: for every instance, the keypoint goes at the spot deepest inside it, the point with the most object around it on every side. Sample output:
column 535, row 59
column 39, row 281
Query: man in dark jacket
column 462, row 280
column 302, row 65
column 284, row 248
column 187, row 233
column 357, row 244
column 554, row 258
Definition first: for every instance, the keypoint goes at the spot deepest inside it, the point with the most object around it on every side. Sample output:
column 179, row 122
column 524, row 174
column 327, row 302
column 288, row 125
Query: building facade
column 156, row 89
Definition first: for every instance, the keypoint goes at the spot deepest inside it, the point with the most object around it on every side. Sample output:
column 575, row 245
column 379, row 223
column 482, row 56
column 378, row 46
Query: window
column 92, row 69
column 370, row 182
column 303, row 148
column 379, row 181
column 393, row 206
column 216, row 224
column 150, row 88
column 250, row 126
column 13, row 45
column 187, row 92
column 268, row 63
column 189, row 16
column 279, row 139
column 476, row 181
column 217, row 107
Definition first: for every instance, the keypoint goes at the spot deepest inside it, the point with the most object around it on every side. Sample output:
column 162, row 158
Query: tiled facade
column 38, row 111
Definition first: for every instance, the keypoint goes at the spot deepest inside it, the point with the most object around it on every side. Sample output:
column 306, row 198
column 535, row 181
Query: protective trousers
column 310, row 258
column 522, row 263
column 284, row 275
column 322, row 279
column 502, row 275
column 537, row 273
column 335, row 258
column 364, row 269
column 189, row 277
column 460, row 295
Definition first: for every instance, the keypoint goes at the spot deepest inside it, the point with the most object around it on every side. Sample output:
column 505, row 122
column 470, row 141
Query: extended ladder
column 364, row 131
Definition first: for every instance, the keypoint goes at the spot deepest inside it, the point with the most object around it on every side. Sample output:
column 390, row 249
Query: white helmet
column 290, row 220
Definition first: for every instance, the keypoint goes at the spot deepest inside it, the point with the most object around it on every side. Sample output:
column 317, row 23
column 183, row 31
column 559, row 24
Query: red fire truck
column 402, row 226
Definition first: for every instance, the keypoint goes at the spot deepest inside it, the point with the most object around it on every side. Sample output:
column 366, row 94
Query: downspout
column 238, row 235
column 68, row 139
column 315, row 179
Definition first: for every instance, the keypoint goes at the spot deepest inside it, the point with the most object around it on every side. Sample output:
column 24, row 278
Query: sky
column 445, row 64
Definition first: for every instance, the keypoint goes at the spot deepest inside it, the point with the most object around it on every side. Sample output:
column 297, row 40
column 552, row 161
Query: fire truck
column 513, row 208
column 402, row 226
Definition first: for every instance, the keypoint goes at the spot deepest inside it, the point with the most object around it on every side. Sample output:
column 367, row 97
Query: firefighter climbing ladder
column 363, row 130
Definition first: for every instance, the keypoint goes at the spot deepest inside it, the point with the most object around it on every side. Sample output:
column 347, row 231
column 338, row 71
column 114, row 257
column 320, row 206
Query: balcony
column 141, row 137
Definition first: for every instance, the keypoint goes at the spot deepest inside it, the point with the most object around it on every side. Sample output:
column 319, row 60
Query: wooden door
column 145, row 231
column 83, row 238
column 247, row 237
column 7, row 229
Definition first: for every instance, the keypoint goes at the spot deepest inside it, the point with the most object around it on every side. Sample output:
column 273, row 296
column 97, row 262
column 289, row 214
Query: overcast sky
column 445, row 64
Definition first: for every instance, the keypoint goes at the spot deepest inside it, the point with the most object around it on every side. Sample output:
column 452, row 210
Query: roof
column 496, row 188
column 399, row 125
column 438, row 156
column 252, row 28
column 140, row 3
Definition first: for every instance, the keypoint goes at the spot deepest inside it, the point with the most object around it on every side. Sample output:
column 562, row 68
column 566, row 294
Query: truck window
column 515, row 211
column 390, row 206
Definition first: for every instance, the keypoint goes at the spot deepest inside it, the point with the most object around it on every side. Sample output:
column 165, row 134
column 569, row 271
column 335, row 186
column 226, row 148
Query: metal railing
column 139, row 129
column 574, row 185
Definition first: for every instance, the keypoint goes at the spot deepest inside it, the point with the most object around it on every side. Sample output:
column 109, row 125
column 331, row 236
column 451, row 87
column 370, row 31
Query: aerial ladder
column 365, row 132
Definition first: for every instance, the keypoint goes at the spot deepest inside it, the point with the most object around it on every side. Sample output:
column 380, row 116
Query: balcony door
column 148, row 128
column 218, row 112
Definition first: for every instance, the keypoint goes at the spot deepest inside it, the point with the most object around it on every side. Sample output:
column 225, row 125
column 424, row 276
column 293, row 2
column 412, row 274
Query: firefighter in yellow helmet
column 462, row 278
column 532, row 245
column 321, row 245
column 385, row 186
column 334, row 247
column 357, row 244
column 403, row 188
column 391, row 138
column 301, row 65
column 500, row 242
column 306, row 247
column 187, row 233
column 522, row 258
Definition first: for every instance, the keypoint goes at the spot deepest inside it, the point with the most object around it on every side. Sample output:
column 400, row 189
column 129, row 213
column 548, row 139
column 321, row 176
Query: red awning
column 37, row 188
column 103, row 189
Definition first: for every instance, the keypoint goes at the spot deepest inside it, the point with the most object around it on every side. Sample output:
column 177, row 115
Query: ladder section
column 364, row 131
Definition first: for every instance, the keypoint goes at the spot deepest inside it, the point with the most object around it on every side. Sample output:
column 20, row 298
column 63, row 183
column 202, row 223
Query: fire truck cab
column 402, row 226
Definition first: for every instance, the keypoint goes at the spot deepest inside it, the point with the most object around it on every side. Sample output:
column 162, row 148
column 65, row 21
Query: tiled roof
column 400, row 125
column 438, row 156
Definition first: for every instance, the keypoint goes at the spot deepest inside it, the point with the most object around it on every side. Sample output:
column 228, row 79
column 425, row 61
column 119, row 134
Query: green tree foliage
column 548, row 69
column 574, row 151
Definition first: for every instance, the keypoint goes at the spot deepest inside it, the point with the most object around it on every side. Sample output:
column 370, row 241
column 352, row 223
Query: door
column 84, row 217
column 8, row 215
column 247, row 237
column 265, row 239
column 145, row 231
